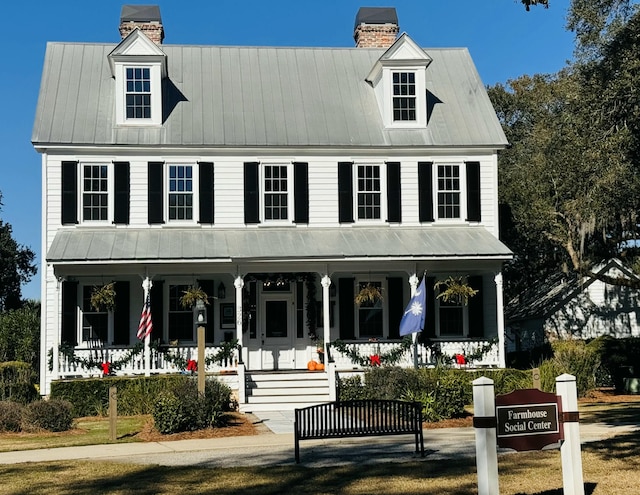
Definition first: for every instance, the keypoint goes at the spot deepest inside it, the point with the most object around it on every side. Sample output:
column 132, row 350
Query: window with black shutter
column 473, row 192
column 69, row 193
column 345, row 192
column 121, row 313
column 394, row 210
column 155, row 202
column 122, row 192
column 69, row 313
column 251, row 193
column 425, row 191
column 206, row 192
column 301, row 192
column 476, row 308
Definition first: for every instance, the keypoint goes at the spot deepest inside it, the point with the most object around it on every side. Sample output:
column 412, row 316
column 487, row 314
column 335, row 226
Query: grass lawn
column 610, row 467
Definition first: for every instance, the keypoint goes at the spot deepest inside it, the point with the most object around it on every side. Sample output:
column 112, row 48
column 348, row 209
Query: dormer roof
column 138, row 47
column 404, row 52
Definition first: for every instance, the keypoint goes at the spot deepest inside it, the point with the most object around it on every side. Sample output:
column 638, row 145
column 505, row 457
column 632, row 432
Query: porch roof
column 170, row 245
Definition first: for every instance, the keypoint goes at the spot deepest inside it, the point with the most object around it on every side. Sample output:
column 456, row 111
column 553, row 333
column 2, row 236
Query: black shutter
column 430, row 320
column 121, row 313
column 345, row 192
column 251, row 193
column 425, row 191
column 394, row 210
column 69, row 192
column 157, row 309
column 473, row 192
column 208, row 287
column 395, row 297
column 155, row 203
column 346, row 297
column 301, row 192
column 69, row 333
column 476, row 308
column 206, row 193
column 121, row 184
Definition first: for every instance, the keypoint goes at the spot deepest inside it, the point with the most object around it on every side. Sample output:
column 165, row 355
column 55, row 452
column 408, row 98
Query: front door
column 275, row 324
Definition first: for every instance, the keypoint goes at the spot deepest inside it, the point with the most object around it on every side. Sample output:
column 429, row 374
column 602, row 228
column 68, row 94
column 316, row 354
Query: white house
column 565, row 307
column 280, row 181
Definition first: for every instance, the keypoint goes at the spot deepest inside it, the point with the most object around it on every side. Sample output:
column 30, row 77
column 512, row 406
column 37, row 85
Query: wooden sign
column 528, row 419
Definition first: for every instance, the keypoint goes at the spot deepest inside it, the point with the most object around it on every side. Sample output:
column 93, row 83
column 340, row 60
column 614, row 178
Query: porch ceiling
column 169, row 245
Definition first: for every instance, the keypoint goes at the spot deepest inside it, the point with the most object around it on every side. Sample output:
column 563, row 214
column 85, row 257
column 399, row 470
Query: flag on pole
column 414, row 314
column 145, row 326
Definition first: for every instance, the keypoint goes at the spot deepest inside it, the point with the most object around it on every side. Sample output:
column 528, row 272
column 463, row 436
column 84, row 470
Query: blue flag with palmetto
column 414, row 314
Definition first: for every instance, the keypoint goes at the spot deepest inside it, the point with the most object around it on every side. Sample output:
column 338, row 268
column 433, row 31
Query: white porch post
column 55, row 372
column 238, row 283
column 326, row 322
column 146, row 287
column 502, row 363
column 413, row 282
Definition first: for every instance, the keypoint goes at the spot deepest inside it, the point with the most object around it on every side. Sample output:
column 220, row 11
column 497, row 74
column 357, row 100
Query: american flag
column 146, row 325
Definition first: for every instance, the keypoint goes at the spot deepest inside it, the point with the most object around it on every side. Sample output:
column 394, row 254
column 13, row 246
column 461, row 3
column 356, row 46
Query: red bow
column 192, row 365
column 375, row 360
column 460, row 359
column 106, row 368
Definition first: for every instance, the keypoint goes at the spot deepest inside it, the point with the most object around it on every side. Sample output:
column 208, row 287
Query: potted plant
column 192, row 295
column 454, row 290
column 369, row 293
column 103, row 297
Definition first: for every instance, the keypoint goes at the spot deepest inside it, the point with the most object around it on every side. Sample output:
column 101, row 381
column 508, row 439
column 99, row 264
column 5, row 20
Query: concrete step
column 283, row 406
column 288, row 391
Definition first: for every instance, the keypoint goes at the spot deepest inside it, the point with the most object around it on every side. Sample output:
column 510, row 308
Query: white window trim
column 290, row 194
column 421, row 98
column 121, row 93
column 195, row 192
column 465, row 321
column 383, row 194
column 110, row 193
column 385, row 310
column 463, row 192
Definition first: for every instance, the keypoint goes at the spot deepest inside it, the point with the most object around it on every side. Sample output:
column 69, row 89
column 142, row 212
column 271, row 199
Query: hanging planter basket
column 368, row 294
column 192, row 295
column 454, row 290
column 103, row 297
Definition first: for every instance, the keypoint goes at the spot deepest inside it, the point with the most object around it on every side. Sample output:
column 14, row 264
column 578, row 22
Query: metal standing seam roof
column 229, row 96
column 277, row 244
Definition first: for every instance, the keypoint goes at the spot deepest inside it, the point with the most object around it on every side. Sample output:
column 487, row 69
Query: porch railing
column 172, row 359
column 437, row 350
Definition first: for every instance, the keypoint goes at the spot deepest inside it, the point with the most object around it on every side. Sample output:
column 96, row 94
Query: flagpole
column 413, row 281
column 146, row 286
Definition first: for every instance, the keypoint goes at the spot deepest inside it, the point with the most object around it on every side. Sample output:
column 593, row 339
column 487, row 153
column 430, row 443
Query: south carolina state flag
column 413, row 317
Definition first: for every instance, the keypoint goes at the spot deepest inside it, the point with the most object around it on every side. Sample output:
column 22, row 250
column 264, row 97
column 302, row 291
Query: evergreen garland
column 388, row 358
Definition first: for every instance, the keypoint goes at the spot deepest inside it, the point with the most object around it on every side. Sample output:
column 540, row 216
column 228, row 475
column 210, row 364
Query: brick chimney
column 144, row 17
column 376, row 27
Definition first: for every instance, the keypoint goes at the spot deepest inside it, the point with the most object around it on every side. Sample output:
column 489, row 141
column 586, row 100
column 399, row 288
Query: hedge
column 17, row 382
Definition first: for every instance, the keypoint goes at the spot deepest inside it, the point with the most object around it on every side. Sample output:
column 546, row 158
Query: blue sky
column 504, row 40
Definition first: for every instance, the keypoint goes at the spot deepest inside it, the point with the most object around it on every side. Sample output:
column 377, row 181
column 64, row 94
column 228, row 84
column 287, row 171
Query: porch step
column 285, row 391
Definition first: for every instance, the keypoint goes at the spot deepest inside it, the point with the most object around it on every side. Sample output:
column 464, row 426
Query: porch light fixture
column 201, row 313
column 222, row 291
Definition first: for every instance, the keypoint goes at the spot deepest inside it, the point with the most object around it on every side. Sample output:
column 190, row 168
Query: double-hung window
column 369, row 192
column 449, row 192
column 451, row 318
column 404, row 96
column 138, row 93
column 276, row 192
column 181, row 324
column 370, row 314
column 95, row 192
column 180, row 192
column 95, row 323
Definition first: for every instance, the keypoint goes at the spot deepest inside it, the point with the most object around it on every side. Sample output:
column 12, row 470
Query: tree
column 20, row 334
column 16, row 267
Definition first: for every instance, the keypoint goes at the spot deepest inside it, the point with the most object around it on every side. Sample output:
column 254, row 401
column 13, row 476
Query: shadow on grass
column 618, row 447
column 624, row 413
column 589, row 488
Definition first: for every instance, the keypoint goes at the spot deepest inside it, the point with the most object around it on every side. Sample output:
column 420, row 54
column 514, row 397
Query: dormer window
column 138, row 97
column 399, row 82
column 404, row 96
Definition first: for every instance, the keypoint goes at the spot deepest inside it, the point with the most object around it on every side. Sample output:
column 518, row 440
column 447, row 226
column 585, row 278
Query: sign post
column 570, row 449
column 484, row 422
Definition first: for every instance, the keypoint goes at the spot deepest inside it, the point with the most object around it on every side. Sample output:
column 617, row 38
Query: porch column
column 57, row 337
column 502, row 363
column 326, row 322
column 146, row 287
column 413, row 282
column 238, row 283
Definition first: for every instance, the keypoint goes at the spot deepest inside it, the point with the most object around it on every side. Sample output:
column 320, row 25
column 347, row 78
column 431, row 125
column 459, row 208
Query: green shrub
column 350, row 388
column 51, row 415
column 17, row 382
column 576, row 358
column 620, row 359
column 10, row 415
column 181, row 408
column 136, row 395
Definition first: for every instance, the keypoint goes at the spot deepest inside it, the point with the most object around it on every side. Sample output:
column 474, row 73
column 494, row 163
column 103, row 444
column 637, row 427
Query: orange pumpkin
column 319, row 366
column 311, row 365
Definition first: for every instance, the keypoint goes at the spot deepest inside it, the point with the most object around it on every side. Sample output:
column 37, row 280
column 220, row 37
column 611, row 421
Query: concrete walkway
column 276, row 447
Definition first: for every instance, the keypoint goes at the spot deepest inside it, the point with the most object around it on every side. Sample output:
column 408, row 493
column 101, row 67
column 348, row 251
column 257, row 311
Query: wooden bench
column 359, row 418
